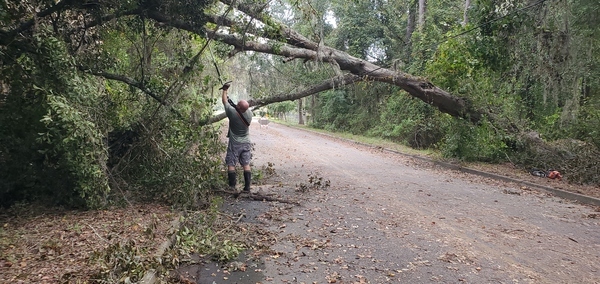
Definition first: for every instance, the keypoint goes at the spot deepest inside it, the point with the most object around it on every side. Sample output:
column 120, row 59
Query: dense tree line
column 531, row 69
column 101, row 101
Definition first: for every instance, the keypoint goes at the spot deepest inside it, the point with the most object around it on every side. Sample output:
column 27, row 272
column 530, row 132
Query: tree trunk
column 585, row 90
column 300, row 116
column 415, row 86
column 313, row 103
column 410, row 28
column 465, row 14
column 422, row 9
column 292, row 45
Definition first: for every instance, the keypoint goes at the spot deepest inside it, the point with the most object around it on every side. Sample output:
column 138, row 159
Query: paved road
column 389, row 219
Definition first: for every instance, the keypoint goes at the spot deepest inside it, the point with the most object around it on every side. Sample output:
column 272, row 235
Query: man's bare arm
column 224, row 97
column 224, row 94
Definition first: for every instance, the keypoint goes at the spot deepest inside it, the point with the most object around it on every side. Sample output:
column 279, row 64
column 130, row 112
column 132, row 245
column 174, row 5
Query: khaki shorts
column 238, row 152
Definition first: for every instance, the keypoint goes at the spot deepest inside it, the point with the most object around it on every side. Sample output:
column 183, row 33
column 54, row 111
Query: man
column 239, row 147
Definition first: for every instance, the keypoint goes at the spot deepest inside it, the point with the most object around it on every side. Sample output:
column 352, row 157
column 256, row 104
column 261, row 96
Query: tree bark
column 422, row 9
column 300, row 116
column 410, row 28
column 313, row 105
column 465, row 13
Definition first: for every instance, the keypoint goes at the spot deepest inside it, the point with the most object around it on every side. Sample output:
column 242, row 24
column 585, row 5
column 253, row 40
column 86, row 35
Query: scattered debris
column 551, row 174
column 315, row 182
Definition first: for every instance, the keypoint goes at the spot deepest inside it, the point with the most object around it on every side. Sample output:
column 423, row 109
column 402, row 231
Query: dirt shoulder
column 40, row 245
column 511, row 171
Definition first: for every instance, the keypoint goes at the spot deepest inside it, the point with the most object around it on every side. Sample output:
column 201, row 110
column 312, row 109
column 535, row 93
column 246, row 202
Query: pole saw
column 226, row 86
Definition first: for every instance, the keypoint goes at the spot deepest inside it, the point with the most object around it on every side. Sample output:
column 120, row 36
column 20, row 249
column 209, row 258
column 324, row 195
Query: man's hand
column 225, row 86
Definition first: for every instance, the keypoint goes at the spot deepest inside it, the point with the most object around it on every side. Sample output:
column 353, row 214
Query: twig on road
column 258, row 197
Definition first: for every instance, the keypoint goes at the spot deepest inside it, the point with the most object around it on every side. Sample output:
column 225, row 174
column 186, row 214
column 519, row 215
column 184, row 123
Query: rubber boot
column 232, row 177
column 247, row 180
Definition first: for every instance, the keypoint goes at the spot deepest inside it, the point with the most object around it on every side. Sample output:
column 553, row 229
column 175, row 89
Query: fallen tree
column 256, row 31
column 265, row 35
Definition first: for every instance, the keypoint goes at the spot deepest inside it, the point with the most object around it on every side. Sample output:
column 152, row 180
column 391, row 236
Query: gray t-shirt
column 238, row 131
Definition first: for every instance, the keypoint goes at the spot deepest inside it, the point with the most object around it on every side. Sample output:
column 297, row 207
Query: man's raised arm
column 224, row 94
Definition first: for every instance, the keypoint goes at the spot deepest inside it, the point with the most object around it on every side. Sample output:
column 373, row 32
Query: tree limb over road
column 332, row 83
column 285, row 42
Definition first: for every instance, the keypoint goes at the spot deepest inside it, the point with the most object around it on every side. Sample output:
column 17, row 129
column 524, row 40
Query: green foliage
column 121, row 263
column 529, row 66
column 354, row 109
column 73, row 142
column 406, row 120
column 468, row 142
column 361, row 120
column 178, row 164
column 280, row 110
column 78, row 140
column 359, row 28
column 59, row 145
column 189, row 11
column 198, row 235
column 454, row 64
column 586, row 126
column 67, row 137
column 333, row 108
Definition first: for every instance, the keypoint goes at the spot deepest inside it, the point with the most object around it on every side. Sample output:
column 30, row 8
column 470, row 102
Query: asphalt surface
column 390, row 218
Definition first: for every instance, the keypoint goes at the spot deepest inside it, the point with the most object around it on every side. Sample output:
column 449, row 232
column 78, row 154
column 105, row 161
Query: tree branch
column 328, row 84
column 107, row 18
column 415, row 86
column 133, row 83
column 6, row 37
column 304, row 48
column 128, row 81
column 279, row 32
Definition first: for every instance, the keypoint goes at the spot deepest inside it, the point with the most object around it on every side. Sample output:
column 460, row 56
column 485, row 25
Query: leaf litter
column 42, row 245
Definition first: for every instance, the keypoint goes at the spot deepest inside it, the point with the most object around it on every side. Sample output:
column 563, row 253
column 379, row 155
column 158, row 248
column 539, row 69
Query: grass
column 372, row 141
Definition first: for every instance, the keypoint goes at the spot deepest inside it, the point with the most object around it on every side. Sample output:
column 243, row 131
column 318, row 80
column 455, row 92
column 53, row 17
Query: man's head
column 243, row 105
